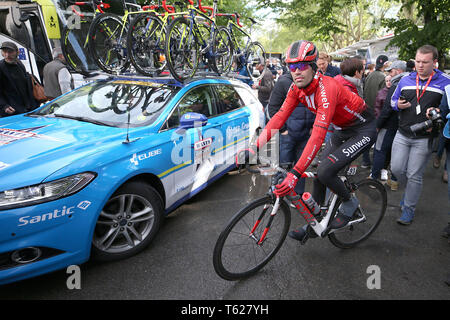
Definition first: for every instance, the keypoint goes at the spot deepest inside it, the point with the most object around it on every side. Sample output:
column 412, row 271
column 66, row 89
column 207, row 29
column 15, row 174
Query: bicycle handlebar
column 169, row 9
column 276, row 168
column 237, row 19
column 231, row 15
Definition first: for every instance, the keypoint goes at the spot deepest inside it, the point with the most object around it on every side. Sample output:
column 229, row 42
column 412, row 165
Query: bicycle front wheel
column 239, row 251
column 372, row 207
column 254, row 54
column 107, row 43
column 182, row 50
column 145, row 43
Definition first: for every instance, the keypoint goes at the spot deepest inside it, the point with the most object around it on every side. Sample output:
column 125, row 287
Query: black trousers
column 341, row 149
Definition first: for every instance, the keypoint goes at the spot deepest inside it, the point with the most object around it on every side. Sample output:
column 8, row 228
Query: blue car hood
column 33, row 148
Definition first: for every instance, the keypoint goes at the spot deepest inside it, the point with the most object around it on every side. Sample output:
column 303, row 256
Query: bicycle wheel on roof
column 222, row 50
column 145, row 43
column 107, row 43
column 182, row 50
column 255, row 54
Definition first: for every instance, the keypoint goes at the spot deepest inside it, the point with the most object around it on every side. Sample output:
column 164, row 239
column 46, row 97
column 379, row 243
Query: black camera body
column 436, row 121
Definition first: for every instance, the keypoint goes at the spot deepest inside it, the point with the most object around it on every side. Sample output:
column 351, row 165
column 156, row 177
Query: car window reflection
column 116, row 103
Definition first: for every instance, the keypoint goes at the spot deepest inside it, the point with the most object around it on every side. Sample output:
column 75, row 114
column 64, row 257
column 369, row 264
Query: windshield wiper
column 79, row 118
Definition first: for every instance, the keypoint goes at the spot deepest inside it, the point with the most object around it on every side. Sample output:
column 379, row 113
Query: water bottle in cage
column 311, row 203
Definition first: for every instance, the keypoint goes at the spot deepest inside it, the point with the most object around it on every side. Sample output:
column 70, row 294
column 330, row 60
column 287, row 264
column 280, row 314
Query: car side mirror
column 191, row 120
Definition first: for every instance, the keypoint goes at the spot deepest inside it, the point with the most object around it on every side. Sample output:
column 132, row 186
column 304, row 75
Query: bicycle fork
column 258, row 221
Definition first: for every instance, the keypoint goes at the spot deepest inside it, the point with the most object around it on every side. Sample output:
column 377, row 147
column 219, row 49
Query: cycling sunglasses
column 299, row 65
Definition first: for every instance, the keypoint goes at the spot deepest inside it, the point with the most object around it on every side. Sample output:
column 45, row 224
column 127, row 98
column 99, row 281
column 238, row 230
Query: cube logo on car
column 136, row 158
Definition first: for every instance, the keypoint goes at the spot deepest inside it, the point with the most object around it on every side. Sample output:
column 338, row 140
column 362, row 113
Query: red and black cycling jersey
column 332, row 104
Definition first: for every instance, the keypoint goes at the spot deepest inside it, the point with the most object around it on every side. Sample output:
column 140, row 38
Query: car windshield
column 118, row 103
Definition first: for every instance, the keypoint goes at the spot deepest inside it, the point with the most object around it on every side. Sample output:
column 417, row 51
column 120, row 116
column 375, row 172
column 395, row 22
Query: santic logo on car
column 55, row 214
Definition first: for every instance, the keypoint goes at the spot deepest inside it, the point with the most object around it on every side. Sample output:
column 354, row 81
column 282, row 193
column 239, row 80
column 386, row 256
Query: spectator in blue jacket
column 414, row 97
column 296, row 131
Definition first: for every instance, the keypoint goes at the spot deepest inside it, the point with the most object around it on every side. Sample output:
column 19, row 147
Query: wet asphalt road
column 413, row 261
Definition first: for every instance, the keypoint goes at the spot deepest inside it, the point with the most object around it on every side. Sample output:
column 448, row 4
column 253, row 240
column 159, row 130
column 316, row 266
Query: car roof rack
column 166, row 79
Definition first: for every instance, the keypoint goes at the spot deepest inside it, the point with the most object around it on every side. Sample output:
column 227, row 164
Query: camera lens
column 421, row 126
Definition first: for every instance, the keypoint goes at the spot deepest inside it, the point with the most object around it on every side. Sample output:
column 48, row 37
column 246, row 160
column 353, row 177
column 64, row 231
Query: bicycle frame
column 320, row 228
column 234, row 25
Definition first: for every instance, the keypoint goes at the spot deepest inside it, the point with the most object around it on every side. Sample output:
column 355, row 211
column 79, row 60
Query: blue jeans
column 408, row 163
column 290, row 151
column 382, row 151
column 441, row 145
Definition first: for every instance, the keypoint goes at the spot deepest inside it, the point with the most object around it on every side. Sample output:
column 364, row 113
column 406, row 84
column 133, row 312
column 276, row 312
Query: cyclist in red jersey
column 355, row 130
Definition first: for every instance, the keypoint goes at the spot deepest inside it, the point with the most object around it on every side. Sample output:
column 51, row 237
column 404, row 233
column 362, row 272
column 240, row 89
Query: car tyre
column 128, row 222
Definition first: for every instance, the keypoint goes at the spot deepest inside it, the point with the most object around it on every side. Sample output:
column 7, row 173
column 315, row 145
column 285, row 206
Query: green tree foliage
column 421, row 22
column 333, row 24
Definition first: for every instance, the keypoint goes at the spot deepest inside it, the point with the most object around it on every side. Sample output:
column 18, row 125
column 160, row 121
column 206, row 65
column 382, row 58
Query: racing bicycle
column 255, row 234
column 194, row 40
column 246, row 54
column 108, row 38
column 146, row 40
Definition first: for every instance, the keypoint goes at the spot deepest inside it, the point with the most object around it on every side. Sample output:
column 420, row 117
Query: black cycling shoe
column 300, row 234
column 340, row 221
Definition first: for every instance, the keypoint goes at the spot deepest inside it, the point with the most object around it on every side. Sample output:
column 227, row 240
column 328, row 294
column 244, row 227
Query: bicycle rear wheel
column 107, row 43
column 238, row 253
column 372, row 207
column 145, row 42
column 254, row 54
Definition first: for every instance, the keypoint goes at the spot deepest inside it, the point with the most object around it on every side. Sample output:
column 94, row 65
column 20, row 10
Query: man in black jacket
column 296, row 131
column 16, row 90
column 387, row 125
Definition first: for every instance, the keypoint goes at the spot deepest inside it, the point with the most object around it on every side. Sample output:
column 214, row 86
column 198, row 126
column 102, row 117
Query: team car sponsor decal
column 202, row 150
column 136, row 158
column 52, row 215
column 237, row 130
column 202, row 144
column 8, row 136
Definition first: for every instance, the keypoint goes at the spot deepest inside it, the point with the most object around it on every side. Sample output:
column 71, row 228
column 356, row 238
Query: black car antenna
column 127, row 139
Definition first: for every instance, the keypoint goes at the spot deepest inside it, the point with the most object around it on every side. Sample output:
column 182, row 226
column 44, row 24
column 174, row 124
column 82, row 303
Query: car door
column 192, row 148
column 234, row 119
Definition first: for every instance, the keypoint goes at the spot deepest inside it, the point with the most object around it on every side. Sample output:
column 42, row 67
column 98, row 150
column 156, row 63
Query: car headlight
column 44, row 192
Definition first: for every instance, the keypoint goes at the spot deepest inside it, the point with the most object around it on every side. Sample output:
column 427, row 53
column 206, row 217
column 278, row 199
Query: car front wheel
column 127, row 223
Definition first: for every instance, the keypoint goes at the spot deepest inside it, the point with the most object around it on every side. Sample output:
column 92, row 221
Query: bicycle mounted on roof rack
column 149, row 58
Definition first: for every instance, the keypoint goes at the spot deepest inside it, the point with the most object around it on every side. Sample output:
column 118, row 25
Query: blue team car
column 95, row 171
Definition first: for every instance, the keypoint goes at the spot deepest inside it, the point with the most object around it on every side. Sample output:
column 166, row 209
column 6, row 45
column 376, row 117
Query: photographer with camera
column 416, row 98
